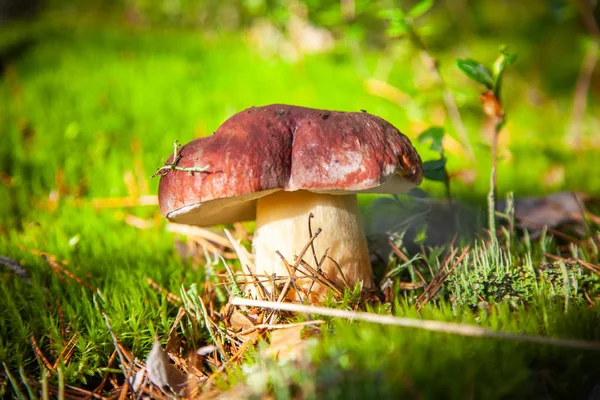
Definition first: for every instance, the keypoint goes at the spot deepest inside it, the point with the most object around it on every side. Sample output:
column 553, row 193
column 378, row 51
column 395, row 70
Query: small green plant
column 492, row 107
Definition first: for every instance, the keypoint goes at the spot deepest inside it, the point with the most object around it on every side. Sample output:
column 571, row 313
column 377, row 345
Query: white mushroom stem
column 282, row 222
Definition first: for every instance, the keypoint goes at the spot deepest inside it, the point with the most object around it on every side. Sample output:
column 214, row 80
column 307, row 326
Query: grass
column 89, row 109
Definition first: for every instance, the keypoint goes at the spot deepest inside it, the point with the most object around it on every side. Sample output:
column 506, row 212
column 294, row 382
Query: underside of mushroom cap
column 280, row 147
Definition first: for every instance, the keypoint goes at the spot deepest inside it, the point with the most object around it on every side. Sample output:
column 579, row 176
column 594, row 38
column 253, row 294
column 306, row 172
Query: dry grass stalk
column 430, row 325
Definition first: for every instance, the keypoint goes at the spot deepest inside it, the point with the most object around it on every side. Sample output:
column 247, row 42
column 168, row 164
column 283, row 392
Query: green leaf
column 500, row 64
column 476, row 71
column 435, row 165
column 435, row 136
column 420, row 8
column 504, row 60
column 436, row 176
column 435, row 170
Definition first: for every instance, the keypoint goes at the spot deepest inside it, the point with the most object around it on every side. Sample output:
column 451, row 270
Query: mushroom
column 282, row 165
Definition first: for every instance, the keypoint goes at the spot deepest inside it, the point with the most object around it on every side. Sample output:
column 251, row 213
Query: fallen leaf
column 286, row 344
column 240, row 323
column 555, row 211
column 162, row 373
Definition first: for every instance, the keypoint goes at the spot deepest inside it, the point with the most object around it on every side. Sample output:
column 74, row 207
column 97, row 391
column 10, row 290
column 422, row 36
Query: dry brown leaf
column 161, row 372
column 287, row 344
column 240, row 323
column 555, row 211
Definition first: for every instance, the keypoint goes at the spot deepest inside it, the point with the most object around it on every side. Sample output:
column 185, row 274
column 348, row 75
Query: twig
column 292, row 274
column 312, row 243
column 288, row 282
column 312, row 247
column 430, row 325
column 172, row 166
column 339, row 269
column 305, row 248
column 321, row 278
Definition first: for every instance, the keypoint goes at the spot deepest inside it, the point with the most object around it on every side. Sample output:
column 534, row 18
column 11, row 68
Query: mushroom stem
column 282, row 224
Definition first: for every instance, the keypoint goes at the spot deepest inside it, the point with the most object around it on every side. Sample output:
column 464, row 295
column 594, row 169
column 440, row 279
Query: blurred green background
column 93, row 90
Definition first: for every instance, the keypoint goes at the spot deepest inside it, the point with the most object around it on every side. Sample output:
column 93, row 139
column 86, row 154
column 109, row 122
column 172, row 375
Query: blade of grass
column 14, row 383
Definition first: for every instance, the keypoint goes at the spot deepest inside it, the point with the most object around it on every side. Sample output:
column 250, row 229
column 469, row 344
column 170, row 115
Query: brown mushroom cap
column 280, row 147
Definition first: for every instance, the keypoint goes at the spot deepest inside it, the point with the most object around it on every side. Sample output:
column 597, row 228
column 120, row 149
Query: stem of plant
column 492, row 108
column 491, row 204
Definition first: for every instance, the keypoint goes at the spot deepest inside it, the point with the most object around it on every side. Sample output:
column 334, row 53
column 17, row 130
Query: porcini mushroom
column 279, row 164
